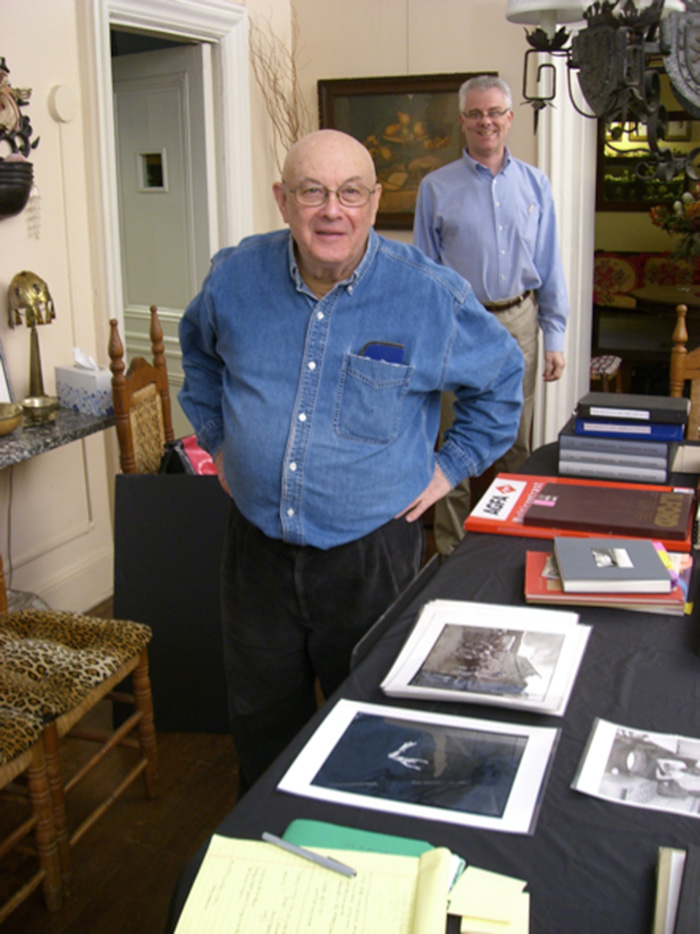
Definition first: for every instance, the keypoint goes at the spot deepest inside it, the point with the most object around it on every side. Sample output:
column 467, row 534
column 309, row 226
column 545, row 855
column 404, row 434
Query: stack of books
column 627, row 573
column 622, row 436
column 542, row 507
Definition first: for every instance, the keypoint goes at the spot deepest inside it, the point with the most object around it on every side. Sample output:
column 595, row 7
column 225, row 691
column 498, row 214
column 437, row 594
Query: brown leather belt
column 507, row 303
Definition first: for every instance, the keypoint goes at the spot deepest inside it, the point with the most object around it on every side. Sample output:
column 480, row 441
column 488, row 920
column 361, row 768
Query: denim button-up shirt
column 323, row 444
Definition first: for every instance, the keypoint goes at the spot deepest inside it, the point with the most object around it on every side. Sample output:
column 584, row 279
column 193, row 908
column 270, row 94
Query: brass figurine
column 29, row 298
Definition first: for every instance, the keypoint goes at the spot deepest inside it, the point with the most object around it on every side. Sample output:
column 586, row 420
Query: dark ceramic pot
column 16, row 180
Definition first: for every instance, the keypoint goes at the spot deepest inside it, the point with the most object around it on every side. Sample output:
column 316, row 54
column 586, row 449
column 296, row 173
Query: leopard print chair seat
column 56, row 667
column 50, row 661
column 22, row 754
column 19, row 730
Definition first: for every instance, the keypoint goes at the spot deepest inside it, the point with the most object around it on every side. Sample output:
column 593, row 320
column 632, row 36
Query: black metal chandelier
column 619, row 53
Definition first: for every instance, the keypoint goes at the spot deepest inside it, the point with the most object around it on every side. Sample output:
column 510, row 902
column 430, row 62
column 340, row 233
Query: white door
column 162, row 186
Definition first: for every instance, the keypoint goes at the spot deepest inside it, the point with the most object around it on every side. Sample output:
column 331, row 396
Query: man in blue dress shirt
column 314, row 362
column 491, row 217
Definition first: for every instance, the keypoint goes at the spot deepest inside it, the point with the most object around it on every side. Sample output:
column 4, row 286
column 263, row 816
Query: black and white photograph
column 490, row 654
column 611, row 557
column 641, row 769
column 457, row 769
column 490, row 661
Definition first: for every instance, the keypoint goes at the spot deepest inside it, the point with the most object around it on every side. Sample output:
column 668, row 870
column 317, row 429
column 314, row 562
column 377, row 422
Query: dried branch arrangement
column 275, row 68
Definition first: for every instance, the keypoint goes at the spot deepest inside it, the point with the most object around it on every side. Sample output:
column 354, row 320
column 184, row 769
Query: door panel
column 162, row 185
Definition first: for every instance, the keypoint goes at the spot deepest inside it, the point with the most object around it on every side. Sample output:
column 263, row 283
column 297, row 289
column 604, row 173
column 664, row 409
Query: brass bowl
column 39, row 409
column 10, row 417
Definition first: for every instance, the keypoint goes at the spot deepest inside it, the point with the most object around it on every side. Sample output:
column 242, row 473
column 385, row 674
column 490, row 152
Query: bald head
column 330, row 236
column 328, row 147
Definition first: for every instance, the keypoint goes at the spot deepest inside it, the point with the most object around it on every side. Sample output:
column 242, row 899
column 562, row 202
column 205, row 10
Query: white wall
column 57, row 504
column 360, row 38
column 379, row 38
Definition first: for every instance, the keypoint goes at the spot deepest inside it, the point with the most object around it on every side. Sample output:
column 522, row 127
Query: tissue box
column 88, row 391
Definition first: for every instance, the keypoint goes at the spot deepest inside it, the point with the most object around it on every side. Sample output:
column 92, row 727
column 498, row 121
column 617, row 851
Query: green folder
column 336, row 837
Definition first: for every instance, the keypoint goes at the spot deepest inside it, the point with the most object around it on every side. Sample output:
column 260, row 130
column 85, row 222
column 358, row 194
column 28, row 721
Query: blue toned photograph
column 429, row 764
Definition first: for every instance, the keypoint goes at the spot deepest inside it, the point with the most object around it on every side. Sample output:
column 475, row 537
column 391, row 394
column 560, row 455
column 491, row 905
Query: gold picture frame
column 410, row 125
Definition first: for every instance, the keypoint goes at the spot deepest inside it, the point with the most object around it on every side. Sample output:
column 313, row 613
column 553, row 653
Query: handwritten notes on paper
column 245, row 887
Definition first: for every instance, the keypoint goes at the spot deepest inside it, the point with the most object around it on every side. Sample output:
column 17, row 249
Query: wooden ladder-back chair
column 55, row 668
column 141, row 402
column 27, row 812
column 685, row 366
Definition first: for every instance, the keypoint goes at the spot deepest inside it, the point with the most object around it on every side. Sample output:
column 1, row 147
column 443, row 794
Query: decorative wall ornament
column 16, row 172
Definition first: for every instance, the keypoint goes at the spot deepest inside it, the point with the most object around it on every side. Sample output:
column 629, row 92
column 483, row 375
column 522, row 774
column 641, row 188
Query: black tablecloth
column 590, row 864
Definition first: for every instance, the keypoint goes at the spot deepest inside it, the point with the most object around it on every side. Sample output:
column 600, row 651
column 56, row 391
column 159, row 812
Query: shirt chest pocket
column 528, row 224
column 369, row 397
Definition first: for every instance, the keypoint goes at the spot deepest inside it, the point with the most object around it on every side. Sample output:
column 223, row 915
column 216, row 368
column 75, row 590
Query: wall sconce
column 16, row 172
column 618, row 53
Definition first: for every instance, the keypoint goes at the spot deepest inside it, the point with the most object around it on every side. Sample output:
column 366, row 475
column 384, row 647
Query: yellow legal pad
column 246, row 886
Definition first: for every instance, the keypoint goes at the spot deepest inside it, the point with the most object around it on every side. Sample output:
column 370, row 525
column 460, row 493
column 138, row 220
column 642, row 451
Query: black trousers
column 291, row 614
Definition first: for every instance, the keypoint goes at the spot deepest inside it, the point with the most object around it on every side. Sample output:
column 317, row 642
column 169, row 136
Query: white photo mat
column 409, row 754
column 553, row 644
column 638, row 768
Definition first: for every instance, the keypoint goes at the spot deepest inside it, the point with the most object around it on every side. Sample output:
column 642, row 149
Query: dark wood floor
column 126, row 866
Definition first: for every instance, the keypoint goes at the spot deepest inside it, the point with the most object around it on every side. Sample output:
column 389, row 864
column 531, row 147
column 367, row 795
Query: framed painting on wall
column 409, row 124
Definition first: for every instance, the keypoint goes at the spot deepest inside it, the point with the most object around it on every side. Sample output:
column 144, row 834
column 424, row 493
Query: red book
column 548, row 589
column 502, row 509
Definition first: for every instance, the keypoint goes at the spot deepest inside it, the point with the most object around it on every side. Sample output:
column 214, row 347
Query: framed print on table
column 460, row 770
column 409, row 124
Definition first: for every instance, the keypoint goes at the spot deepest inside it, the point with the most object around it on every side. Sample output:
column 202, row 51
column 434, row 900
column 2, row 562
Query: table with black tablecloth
column 590, row 864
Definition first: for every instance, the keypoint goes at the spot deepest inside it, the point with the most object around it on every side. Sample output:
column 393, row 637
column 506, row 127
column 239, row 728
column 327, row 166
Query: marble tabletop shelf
column 29, row 440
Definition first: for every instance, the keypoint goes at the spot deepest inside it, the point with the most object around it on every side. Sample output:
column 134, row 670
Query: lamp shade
column 532, row 12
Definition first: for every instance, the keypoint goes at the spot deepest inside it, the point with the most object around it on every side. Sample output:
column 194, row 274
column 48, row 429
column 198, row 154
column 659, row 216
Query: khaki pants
column 453, row 509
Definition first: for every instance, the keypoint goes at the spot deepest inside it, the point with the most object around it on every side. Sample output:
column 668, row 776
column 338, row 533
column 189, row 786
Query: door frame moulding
column 567, row 154
column 224, row 27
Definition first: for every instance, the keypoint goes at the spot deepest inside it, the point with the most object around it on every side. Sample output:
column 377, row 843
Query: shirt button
column 292, row 466
column 312, row 365
column 302, row 417
column 290, row 512
column 350, row 290
column 319, row 316
column 503, row 252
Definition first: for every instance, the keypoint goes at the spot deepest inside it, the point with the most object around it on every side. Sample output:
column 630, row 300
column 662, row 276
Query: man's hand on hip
column 219, row 464
column 434, row 491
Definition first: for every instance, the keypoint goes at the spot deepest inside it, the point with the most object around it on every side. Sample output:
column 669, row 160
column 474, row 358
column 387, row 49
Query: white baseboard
column 79, row 587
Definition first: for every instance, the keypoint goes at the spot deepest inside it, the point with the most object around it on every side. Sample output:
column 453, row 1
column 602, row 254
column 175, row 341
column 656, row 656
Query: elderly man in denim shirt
column 314, row 360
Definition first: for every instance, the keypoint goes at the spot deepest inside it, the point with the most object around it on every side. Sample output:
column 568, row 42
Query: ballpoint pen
column 326, row 861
